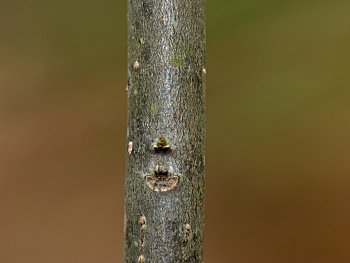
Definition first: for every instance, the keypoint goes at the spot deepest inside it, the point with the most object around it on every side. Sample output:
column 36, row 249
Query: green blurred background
column 278, row 144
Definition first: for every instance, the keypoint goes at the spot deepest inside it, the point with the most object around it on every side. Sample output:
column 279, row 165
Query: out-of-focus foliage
column 277, row 141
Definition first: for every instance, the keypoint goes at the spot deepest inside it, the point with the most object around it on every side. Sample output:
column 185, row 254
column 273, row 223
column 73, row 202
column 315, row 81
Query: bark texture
column 164, row 200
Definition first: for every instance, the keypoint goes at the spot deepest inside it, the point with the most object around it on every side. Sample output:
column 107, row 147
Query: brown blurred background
column 278, row 144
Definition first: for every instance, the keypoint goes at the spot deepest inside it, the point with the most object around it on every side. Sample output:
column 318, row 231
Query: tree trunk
column 164, row 200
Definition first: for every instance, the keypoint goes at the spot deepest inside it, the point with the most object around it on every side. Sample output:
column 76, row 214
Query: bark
column 164, row 200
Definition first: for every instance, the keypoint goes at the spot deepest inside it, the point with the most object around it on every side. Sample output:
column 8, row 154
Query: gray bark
column 164, row 200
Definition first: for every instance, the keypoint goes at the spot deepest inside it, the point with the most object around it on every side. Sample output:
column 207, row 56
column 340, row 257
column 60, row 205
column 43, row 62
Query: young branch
column 164, row 200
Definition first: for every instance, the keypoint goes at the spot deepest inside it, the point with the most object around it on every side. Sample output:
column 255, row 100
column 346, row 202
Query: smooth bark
column 164, row 200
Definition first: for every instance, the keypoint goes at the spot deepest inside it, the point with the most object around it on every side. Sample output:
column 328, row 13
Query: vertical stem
column 164, row 200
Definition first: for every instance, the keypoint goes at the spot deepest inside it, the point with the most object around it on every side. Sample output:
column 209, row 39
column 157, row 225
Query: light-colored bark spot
column 136, row 65
column 141, row 259
column 162, row 185
column 130, row 148
column 162, row 144
column 142, row 220
column 187, row 232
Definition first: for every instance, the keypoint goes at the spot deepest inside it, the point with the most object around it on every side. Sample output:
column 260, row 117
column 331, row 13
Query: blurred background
column 278, row 144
